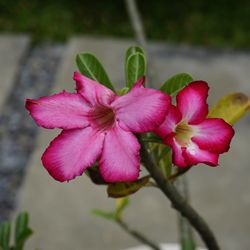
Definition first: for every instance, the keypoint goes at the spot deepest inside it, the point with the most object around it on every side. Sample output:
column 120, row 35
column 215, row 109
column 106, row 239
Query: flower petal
column 92, row 91
column 69, row 154
column 213, row 134
column 63, row 110
column 120, row 160
column 142, row 109
column 177, row 151
column 191, row 101
column 168, row 126
column 194, row 155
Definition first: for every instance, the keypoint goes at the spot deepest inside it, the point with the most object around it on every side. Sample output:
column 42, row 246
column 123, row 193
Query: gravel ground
column 17, row 132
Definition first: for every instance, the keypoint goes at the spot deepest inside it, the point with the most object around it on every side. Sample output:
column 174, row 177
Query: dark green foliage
column 135, row 65
column 210, row 23
column 91, row 67
column 22, row 233
column 176, row 83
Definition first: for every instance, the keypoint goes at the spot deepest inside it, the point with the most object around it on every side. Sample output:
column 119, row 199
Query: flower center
column 102, row 118
column 183, row 133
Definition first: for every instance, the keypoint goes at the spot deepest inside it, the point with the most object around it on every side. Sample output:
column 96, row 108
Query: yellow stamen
column 183, row 133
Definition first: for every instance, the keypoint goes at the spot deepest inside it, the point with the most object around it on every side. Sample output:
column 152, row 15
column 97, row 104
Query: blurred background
column 222, row 23
column 38, row 43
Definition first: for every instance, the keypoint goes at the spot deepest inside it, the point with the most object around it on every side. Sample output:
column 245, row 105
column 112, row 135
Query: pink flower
column 98, row 125
column 193, row 138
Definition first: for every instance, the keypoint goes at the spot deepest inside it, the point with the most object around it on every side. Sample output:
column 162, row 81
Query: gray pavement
column 12, row 49
column 60, row 213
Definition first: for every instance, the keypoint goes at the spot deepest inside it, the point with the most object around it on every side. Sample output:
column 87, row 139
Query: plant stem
column 137, row 235
column 178, row 202
column 186, row 234
column 136, row 22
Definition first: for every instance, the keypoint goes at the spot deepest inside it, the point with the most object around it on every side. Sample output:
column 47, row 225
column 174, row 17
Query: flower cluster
column 98, row 125
column 193, row 137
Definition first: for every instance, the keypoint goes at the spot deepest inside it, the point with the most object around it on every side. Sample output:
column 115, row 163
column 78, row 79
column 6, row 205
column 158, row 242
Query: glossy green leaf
column 122, row 189
column 135, row 68
column 176, row 83
column 5, row 230
column 231, row 107
column 133, row 50
column 104, row 214
column 90, row 66
column 121, row 204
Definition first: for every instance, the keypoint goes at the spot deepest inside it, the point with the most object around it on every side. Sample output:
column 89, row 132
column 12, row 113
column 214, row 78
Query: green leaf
column 104, row 214
column 121, row 204
column 152, row 138
column 5, row 229
column 90, row 66
column 22, row 221
column 231, row 107
column 135, row 68
column 122, row 189
column 22, row 231
column 176, row 83
column 22, row 238
column 95, row 175
column 133, row 50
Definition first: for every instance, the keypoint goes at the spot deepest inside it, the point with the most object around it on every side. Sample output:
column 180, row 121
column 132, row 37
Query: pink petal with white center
column 120, row 159
column 194, row 155
column 213, row 134
column 191, row 101
column 177, row 151
column 92, row 91
column 70, row 153
column 63, row 110
column 142, row 109
column 168, row 126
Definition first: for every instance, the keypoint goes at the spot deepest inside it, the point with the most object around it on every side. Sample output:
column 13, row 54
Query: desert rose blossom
column 193, row 137
column 98, row 125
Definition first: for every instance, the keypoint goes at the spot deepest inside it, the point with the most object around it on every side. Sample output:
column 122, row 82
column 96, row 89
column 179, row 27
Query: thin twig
column 178, row 202
column 137, row 25
column 186, row 233
column 137, row 235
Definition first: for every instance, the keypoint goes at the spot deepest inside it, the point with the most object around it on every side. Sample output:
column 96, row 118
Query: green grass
column 220, row 23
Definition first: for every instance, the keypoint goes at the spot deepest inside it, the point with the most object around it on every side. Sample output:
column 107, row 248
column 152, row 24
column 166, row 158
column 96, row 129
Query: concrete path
column 12, row 49
column 60, row 213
